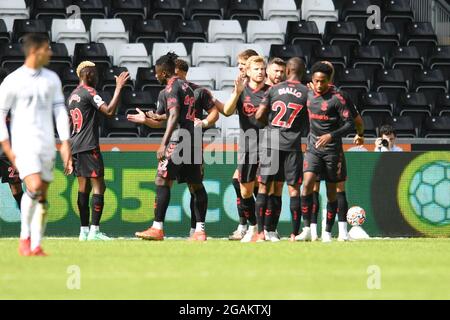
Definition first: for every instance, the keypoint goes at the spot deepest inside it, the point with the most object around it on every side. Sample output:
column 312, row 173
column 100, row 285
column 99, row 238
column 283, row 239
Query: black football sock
column 331, row 215
column 248, row 209
column 237, row 189
column 161, row 202
column 277, row 210
column 18, row 198
column 306, row 205
column 296, row 214
column 342, row 206
column 83, row 208
column 260, row 210
column 201, row 204
column 315, row 207
column 193, row 219
column 97, row 208
column 269, row 220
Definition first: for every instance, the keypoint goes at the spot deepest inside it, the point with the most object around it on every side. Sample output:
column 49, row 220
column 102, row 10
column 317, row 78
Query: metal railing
column 438, row 13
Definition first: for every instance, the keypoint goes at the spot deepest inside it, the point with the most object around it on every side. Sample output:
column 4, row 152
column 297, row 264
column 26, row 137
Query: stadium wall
column 404, row 195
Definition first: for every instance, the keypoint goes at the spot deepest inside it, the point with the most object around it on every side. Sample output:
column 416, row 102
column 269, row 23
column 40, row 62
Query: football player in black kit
column 284, row 107
column 330, row 119
column 84, row 106
column 246, row 98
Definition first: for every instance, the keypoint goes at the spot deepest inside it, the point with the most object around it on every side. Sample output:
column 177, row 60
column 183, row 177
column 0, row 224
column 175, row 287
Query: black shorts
column 183, row 173
column 8, row 172
column 330, row 166
column 247, row 167
column 88, row 164
column 279, row 165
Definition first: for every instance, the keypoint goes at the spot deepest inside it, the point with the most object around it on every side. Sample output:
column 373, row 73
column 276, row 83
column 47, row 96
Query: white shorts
column 31, row 163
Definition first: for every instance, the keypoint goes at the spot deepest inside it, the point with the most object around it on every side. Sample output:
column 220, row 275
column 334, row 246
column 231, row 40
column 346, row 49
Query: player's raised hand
column 239, row 84
column 137, row 118
column 122, row 79
column 323, row 141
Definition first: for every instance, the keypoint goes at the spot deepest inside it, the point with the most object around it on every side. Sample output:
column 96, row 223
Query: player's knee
column 195, row 187
column 294, row 191
column 262, row 188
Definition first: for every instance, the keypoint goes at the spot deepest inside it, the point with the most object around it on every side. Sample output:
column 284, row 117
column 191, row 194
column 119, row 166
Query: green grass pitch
column 220, row 269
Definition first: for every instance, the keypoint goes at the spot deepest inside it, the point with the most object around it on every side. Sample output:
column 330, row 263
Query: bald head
column 295, row 68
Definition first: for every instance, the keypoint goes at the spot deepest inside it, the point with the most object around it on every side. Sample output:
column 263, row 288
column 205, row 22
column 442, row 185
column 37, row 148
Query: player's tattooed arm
column 110, row 110
column 239, row 86
column 174, row 114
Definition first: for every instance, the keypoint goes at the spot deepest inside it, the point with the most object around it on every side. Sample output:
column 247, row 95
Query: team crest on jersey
column 324, row 106
column 249, row 109
column 75, row 98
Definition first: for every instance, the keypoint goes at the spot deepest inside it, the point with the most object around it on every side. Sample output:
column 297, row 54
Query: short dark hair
column 181, row 65
column 167, row 62
column 34, row 40
column 297, row 66
column 323, row 68
column 387, row 130
column 277, row 61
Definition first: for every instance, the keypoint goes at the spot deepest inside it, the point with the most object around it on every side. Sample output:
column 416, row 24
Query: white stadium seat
column 132, row 56
column 225, row 31
column 69, row 32
column 225, row 78
column 11, row 10
column 264, row 33
column 238, row 48
column 211, row 55
column 229, row 126
column 281, row 11
column 319, row 11
column 201, row 76
column 162, row 48
column 110, row 32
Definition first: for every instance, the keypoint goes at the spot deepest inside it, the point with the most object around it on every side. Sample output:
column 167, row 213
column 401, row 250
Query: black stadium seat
column 343, row 34
column 332, row 54
column 90, row 9
column 354, row 82
column 146, row 78
column 413, row 103
column 375, row 103
column 356, row 12
column 422, row 36
column 370, row 127
column 203, row 11
column 108, row 81
column 11, row 56
column 168, row 11
column 406, row 59
column 46, row 10
column 286, row 52
column 398, row 12
column 119, row 126
column 304, row 33
column 430, row 82
column 4, row 34
column 69, row 79
column 393, row 82
column 386, row 37
column 3, row 74
column 23, row 26
column 188, row 32
column 243, row 11
column 437, row 127
column 148, row 32
column 60, row 58
column 442, row 105
column 129, row 11
column 137, row 99
column 406, row 126
column 368, row 58
column 95, row 52
column 440, row 59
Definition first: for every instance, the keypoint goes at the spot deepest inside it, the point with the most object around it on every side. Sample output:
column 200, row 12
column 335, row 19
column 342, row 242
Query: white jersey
column 34, row 98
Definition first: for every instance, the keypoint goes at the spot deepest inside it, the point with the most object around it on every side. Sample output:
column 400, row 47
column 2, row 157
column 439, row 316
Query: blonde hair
column 255, row 59
column 83, row 65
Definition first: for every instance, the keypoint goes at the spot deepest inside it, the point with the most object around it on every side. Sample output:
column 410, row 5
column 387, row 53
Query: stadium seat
column 281, row 11
column 90, row 9
column 343, row 34
column 229, row 126
column 221, row 95
column 129, row 11
column 354, row 82
column 319, row 11
column 386, row 37
column 11, row 56
column 69, row 79
column 3, row 74
column 356, row 12
column 210, row 54
column 11, row 10
column 95, row 52
column 332, row 54
column 110, row 32
column 47, row 10
column 442, row 105
column 440, row 59
column 397, row 11
column 118, row 126
column 69, row 32
column 243, row 11
column 23, row 26
column 131, row 56
column 148, row 32
column 203, row 11
column 304, row 33
column 406, row 59
column 375, row 103
column 286, row 52
column 168, row 11
column 137, row 99
column 146, row 78
column 188, row 32
column 392, row 82
column 107, row 81
column 406, row 126
column 264, row 33
column 368, row 58
column 422, row 36
column 4, row 34
column 202, row 77
column 225, row 31
column 60, row 57
column 437, row 127
column 237, row 48
column 413, row 103
column 160, row 49
column 370, row 128
column 225, row 78
column 430, row 82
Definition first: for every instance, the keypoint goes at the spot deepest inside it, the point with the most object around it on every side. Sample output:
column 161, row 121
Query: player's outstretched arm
column 210, row 120
column 230, row 106
column 110, row 110
column 142, row 118
column 174, row 114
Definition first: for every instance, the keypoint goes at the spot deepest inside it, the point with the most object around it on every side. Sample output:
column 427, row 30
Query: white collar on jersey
column 31, row 71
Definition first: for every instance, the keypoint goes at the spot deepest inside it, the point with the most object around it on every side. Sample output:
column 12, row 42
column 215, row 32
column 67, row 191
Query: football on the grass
column 356, row 216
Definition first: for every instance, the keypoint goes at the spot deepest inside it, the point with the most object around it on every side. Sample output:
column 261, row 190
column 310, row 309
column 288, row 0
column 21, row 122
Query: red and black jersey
column 351, row 105
column 287, row 114
column 203, row 101
column 248, row 104
column 83, row 107
column 328, row 113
